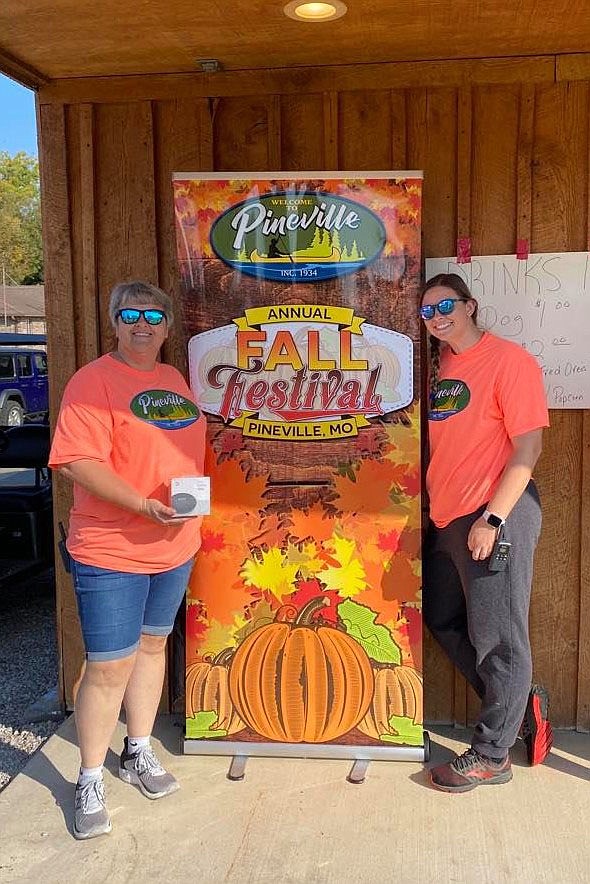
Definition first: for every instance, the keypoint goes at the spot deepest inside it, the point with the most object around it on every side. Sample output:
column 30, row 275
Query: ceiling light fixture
column 315, row 12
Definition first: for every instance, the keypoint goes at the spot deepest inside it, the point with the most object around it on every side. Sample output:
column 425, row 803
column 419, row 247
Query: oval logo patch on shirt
column 164, row 409
column 451, row 396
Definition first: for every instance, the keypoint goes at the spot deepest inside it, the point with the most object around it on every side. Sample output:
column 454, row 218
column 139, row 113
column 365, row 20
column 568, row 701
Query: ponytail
column 434, row 366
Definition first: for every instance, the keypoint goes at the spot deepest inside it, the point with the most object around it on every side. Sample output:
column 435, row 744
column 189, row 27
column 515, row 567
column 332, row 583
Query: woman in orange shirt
column 126, row 426
column 487, row 412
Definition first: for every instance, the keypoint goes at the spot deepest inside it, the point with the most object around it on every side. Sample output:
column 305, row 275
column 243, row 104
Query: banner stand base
column 357, row 772
column 361, row 756
column 237, row 768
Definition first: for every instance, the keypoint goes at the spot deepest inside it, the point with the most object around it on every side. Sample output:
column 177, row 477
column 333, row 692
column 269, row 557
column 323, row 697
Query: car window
column 41, row 363
column 25, row 367
column 6, row 365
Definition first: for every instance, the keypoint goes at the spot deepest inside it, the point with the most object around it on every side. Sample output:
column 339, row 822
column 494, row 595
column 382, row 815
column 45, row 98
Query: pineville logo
column 298, row 237
column 164, row 409
column 450, row 397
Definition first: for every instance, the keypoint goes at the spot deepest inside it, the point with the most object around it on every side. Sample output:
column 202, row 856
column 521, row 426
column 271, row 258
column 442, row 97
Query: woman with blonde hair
column 126, row 426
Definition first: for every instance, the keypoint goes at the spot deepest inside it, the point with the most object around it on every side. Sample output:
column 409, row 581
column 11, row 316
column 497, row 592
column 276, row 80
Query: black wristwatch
column 492, row 519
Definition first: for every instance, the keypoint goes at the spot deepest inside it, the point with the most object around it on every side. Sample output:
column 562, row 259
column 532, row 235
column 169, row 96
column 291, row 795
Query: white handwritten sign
column 541, row 303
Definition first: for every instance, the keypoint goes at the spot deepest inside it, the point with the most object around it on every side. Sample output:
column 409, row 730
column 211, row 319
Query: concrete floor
column 300, row 821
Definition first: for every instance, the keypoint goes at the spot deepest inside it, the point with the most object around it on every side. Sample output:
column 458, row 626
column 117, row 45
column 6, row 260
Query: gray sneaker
column 144, row 770
column 91, row 817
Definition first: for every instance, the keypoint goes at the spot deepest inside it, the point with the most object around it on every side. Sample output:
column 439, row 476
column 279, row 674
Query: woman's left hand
column 481, row 540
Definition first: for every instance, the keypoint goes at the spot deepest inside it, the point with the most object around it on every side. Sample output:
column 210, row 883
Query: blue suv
column 24, row 390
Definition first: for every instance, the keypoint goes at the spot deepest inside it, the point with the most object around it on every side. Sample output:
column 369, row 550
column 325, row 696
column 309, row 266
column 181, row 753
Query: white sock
column 134, row 744
column 88, row 774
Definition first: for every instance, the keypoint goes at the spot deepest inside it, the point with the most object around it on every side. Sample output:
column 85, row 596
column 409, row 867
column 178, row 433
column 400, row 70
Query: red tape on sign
column 464, row 250
column 522, row 249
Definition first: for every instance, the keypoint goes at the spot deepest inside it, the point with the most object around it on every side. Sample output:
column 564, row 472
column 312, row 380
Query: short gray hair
column 138, row 292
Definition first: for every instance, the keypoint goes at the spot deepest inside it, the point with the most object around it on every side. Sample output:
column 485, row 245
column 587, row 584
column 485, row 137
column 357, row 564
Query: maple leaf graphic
column 313, row 523
column 211, row 541
column 229, row 441
column 389, row 541
column 349, row 577
column 305, row 556
column 234, row 489
column 368, row 492
column 218, row 637
column 196, row 625
column 369, row 441
column 399, row 579
column 273, row 531
column 270, row 570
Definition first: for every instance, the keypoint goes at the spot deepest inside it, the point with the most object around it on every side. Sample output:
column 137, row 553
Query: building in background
column 22, row 309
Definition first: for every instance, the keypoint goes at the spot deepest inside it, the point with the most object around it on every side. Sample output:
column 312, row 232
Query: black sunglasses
column 131, row 315
column 444, row 307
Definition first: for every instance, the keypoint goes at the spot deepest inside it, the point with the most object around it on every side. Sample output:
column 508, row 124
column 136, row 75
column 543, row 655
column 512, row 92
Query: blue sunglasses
column 444, row 307
column 131, row 315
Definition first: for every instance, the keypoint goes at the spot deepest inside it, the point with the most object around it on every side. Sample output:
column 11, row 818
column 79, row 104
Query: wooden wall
column 504, row 145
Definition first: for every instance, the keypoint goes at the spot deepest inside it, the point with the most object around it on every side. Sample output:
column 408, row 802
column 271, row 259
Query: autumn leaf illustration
column 199, row 726
column 369, row 493
column 313, row 523
column 216, row 582
column 389, row 541
column 305, row 556
column 370, row 551
column 399, row 580
column 270, row 570
column 233, row 489
column 406, row 731
column 410, row 542
column 349, row 577
column 359, row 622
column 261, row 615
column 218, row 637
column 211, row 541
column 406, row 479
column 273, row 532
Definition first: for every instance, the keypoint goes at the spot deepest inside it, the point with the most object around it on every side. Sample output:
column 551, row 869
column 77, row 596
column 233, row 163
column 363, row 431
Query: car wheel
column 12, row 414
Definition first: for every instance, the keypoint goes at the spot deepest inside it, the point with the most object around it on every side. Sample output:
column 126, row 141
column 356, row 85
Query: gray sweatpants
column 480, row 618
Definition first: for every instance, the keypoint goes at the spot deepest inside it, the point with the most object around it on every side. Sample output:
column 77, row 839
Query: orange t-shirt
column 486, row 396
column 146, row 428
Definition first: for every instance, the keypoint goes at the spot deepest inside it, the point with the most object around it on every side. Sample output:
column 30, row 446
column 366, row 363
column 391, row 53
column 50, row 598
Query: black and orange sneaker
column 536, row 727
column 470, row 770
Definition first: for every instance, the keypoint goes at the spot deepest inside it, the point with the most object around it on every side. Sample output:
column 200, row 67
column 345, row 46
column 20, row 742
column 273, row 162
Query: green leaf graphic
column 198, row 727
column 359, row 622
column 408, row 733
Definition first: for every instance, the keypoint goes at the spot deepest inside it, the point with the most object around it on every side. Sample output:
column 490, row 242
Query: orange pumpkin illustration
column 207, row 691
column 295, row 681
column 398, row 691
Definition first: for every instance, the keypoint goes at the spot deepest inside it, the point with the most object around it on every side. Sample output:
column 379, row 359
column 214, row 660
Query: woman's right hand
column 158, row 512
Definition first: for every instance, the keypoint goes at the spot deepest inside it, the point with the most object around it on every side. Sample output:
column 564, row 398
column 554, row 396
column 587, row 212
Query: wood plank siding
column 504, row 146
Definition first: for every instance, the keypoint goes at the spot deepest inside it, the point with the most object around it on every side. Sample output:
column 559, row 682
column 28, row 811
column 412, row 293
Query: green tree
column 21, row 248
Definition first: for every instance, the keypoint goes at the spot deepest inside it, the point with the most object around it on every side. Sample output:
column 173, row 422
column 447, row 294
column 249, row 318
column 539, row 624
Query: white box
column 190, row 496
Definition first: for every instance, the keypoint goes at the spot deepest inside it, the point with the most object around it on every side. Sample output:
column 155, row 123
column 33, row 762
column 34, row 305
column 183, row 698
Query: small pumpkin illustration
column 398, row 691
column 299, row 681
column 207, row 691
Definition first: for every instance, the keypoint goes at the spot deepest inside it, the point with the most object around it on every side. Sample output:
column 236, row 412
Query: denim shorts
column 116, row 607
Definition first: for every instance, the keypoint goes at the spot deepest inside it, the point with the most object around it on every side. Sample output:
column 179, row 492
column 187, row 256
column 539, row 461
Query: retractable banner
column 303, row 618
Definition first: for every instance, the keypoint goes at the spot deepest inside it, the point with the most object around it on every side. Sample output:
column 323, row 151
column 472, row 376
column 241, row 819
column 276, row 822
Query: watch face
column 494, row 521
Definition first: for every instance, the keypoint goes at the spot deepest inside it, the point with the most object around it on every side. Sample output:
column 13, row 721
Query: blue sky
column 18, row 127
